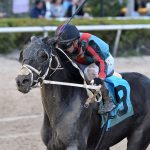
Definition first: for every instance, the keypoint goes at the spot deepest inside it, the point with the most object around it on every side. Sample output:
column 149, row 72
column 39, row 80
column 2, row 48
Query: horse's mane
column 74, row 72
column 64, row 60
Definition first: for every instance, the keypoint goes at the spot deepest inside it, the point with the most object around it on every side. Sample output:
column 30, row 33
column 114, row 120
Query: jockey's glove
column 98, row 81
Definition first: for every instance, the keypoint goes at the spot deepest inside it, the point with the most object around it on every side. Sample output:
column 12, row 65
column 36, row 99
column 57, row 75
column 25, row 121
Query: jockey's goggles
column 65, row 46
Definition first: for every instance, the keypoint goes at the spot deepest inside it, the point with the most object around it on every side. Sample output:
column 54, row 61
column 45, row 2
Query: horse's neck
column 62, row 101
column 57, row 98
column 69, row 73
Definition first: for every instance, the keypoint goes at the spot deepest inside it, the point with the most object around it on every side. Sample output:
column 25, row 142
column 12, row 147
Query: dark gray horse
column 66, row 122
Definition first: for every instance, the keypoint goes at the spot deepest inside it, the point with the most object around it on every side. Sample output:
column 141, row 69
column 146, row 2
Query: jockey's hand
column 98, row 81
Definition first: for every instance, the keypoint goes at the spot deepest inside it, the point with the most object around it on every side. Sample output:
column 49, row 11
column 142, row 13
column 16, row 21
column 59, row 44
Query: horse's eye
column 42, row 56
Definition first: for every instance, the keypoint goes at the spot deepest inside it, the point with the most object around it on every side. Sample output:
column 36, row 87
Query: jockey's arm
column 98, row 55
column 85, row 60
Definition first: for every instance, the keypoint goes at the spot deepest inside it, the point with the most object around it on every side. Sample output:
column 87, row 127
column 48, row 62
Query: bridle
column 31, row 70
column 40, row 79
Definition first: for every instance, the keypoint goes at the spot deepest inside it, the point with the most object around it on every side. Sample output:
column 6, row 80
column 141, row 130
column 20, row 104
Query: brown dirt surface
column 21, row 114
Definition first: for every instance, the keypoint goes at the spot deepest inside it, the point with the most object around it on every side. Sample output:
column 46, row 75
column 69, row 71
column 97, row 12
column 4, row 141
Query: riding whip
column 77, row 10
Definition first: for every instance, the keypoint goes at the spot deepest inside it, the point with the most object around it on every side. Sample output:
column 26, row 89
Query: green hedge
column 132, row 41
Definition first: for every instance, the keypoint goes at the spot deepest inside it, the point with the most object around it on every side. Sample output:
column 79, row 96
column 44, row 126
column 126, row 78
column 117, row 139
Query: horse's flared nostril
column 23, row 84
column 22, row 81
column 25, row 81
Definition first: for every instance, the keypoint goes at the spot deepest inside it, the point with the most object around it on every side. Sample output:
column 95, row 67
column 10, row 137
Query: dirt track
column 21, row 115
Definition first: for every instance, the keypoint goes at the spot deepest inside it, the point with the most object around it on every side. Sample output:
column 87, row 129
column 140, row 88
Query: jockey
column 91, row 54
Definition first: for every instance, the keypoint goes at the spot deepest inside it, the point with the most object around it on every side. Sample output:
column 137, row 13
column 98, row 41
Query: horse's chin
column 24, row 90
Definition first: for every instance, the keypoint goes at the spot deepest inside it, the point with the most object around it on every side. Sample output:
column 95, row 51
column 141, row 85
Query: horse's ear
column 21, row 56
column 33, row 38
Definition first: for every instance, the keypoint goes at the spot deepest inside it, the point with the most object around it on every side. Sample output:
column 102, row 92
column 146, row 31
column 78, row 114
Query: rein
column 94, row 87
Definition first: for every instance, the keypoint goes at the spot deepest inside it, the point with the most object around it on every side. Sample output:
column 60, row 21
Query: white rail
column 81, row 28
column 46, row 29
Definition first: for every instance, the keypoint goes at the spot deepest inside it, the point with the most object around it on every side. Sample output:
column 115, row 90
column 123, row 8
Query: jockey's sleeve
column 100, row 51
column 102, row 73
column 85, row 60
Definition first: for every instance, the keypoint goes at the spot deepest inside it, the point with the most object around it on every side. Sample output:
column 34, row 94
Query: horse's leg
column 46, row 130
column 140, row 137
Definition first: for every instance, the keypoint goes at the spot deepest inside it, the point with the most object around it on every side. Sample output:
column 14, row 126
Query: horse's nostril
column 25, row 81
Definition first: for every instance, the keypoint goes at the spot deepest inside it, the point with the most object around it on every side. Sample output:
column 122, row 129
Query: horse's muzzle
column 23, row 83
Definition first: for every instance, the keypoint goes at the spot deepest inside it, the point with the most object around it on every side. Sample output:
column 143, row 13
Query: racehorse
column 67, row 123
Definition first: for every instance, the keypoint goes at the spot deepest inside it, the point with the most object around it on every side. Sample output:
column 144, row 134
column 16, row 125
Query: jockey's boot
column 108, row 103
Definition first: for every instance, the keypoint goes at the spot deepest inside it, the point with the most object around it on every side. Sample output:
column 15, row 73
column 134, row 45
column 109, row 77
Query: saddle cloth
column 119, row 91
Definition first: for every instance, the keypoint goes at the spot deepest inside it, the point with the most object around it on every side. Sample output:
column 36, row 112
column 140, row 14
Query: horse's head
column 35, row 59
column 40, row 59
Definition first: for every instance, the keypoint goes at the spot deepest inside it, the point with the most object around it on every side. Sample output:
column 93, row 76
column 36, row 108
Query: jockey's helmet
column 66, row 34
